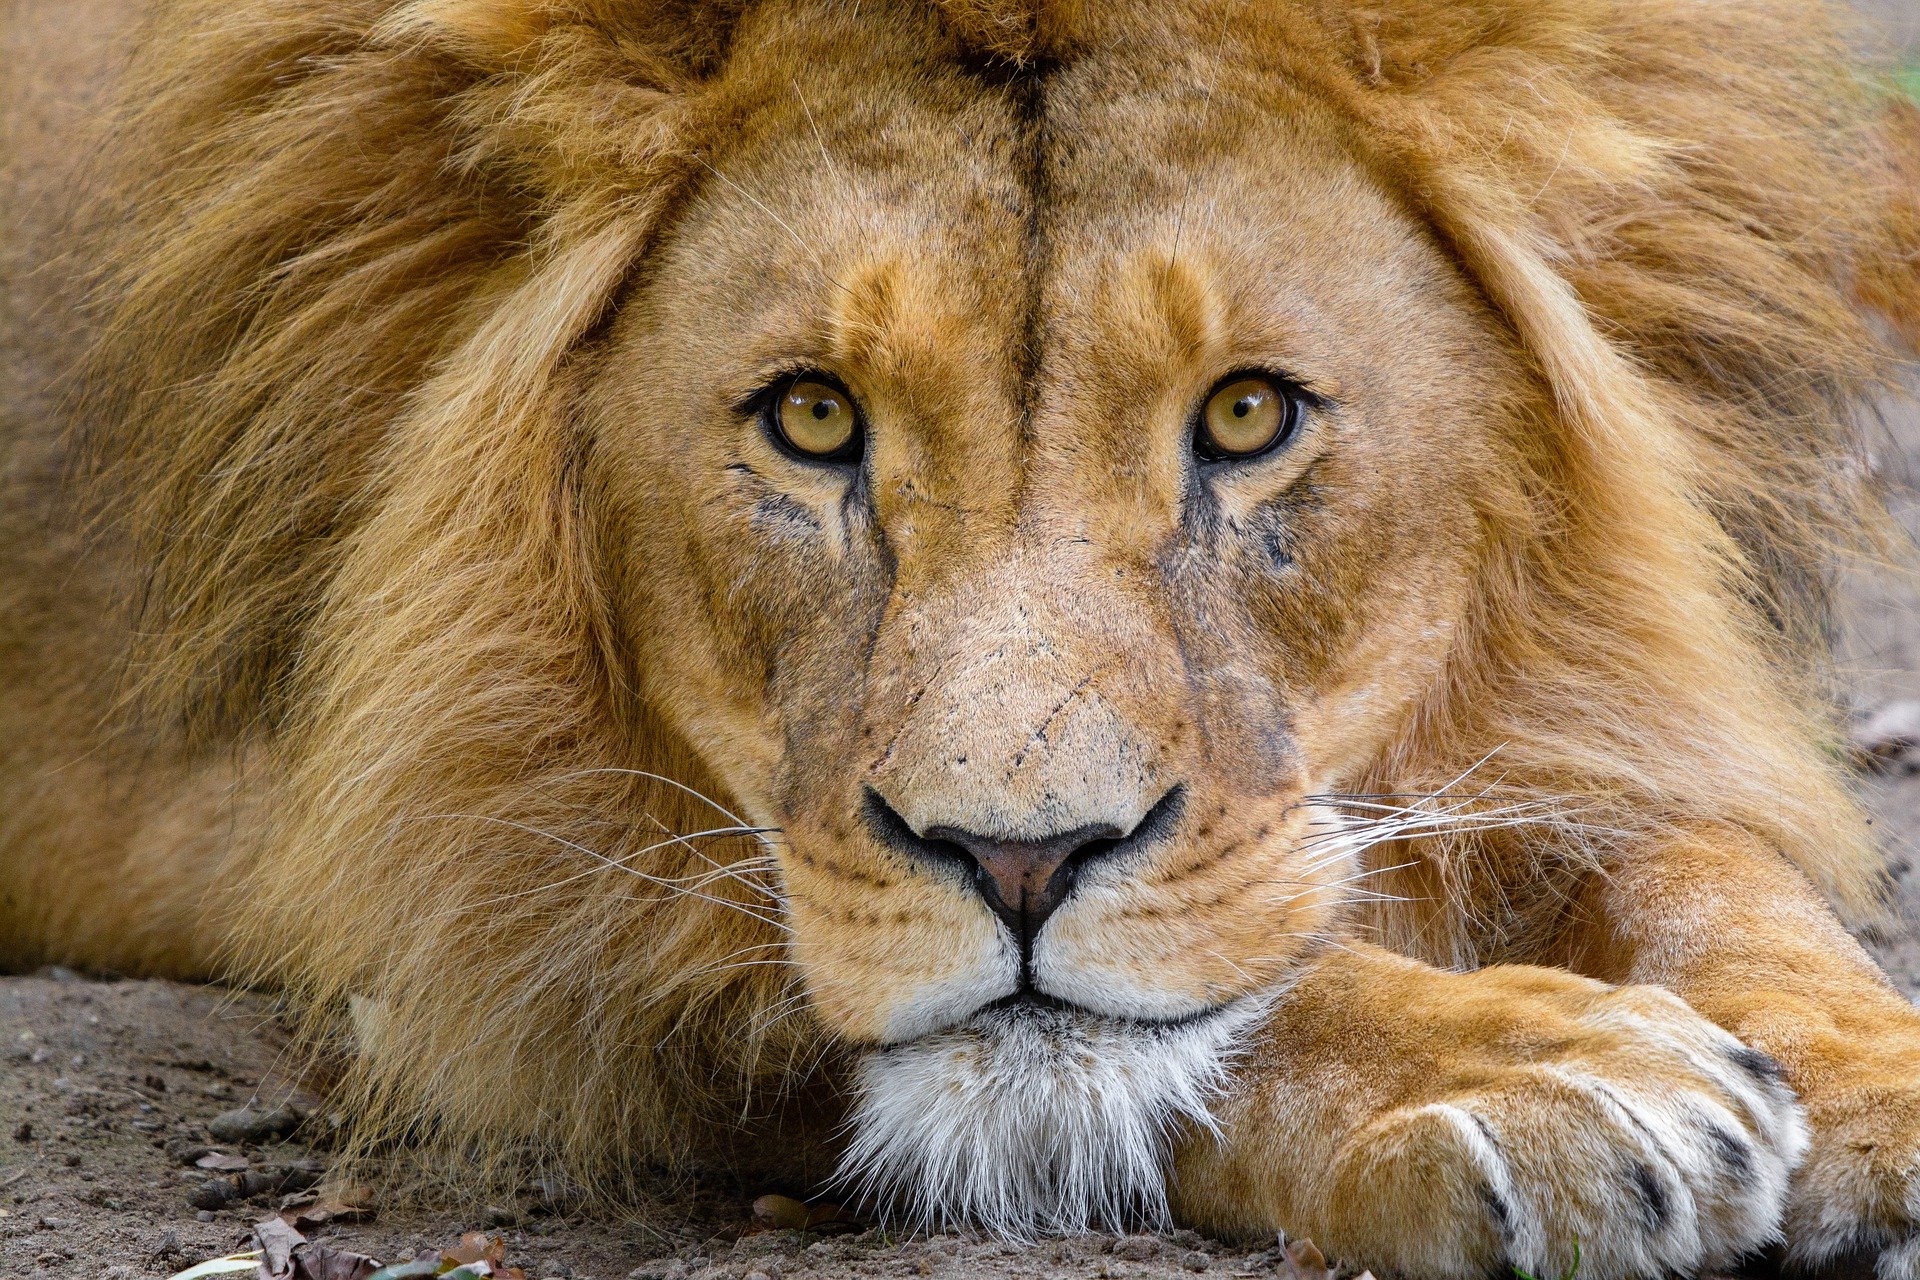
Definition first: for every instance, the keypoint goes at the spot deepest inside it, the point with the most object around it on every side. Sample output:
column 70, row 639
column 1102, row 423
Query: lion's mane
column 353, row 250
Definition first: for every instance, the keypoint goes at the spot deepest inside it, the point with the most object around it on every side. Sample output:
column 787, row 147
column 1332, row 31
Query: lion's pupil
column 1243, row 407
column 820, row 410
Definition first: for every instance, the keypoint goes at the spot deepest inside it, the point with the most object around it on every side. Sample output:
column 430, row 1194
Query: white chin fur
column 1028, row 1121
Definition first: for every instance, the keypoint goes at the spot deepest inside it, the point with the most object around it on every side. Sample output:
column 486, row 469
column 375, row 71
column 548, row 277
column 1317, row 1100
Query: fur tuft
column 1031, row 1122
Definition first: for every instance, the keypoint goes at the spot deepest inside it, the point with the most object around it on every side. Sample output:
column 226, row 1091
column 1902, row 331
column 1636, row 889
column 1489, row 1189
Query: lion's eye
column 1245, row 415
column 816, row 420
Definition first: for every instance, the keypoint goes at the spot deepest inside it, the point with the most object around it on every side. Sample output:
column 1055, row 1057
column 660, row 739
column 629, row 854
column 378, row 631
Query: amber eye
column 1245, row 415
column 816, row 420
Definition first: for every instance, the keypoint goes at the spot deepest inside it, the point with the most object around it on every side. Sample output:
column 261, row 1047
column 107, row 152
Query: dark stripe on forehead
column 1030, row 107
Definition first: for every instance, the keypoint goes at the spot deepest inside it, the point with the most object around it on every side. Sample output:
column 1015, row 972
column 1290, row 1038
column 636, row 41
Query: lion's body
column 389, row 656
column 150, row 823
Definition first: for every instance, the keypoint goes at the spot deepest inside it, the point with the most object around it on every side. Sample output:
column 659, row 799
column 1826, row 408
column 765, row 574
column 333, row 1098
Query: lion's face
column 911, row 440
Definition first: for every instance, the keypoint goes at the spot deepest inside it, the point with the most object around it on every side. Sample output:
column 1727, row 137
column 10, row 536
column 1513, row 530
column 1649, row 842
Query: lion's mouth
column 1031, row 1002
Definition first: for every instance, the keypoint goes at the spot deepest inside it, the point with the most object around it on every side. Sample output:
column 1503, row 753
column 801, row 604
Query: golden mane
column 354, row 246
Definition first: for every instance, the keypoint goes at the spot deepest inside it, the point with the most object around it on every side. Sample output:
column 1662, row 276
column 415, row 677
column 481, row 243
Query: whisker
column 677, row 785
column 671, row 886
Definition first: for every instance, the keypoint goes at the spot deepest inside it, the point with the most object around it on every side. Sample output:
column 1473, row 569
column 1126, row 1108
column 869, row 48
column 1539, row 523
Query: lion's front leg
column 1427, row 1123
column 1744, row 938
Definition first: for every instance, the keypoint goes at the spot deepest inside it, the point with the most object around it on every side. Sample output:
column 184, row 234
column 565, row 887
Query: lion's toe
column 1667, row 1151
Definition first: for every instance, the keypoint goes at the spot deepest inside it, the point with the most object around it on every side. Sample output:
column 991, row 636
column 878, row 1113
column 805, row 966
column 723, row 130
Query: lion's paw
column 1655, row 1141
column 1856, row 1200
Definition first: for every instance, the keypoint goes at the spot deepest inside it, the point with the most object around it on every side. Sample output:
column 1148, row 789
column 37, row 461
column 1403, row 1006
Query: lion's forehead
column 1037, row 251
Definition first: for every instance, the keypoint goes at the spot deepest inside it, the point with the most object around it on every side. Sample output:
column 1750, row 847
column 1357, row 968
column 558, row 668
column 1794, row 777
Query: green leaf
column 1572, row 1271
column 219, row 1266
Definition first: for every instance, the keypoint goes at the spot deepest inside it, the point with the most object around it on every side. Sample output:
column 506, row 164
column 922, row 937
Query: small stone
column 71, row 1159
column 165, row 1248
column 250, row 1124
column 1186, row 1239
column 188, row 1150
column 500, row 1216
column 1137, row 1248
column 214, row 1194
column 1195, row 1260
column 220, row 1162
column 1888, row 739
column 558, row 1271
column 780, row 1213
column 253, row 1183
column 551, row 1194
column 205, row 1215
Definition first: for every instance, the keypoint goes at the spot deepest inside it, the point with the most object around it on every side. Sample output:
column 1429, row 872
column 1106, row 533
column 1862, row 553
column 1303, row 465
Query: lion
column 1070, row 614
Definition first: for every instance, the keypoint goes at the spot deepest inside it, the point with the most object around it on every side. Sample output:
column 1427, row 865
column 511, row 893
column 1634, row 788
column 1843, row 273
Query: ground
column 107, row 1088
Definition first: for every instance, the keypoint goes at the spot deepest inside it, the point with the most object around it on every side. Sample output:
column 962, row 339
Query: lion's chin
column 1034, row 1119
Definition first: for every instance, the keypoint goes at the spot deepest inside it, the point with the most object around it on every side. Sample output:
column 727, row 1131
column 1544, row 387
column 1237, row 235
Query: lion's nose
column 1025, row 881
column 1022, row 881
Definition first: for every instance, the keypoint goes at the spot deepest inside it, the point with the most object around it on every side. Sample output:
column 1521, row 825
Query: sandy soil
column 107, row 1089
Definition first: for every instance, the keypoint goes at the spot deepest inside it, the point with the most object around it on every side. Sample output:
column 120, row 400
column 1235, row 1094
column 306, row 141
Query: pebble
column 216, row 1193
column 780, row 1213
column 1137, row 1248
column 250, row 1124
column 665, row 1269
column 205, row 1215
column 1888, row 740
column 551, row 1194
column 1195, row 1260
column 220, row 1162
column 187, row 1151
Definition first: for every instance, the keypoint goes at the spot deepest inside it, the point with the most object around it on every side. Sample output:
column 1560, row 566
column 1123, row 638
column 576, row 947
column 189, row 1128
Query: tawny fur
column 358, row 270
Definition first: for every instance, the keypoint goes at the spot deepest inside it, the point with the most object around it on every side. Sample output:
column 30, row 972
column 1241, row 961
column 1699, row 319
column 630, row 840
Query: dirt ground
column 107, row 1089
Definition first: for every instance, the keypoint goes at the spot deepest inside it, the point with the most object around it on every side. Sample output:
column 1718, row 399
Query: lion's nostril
column 1023, row 881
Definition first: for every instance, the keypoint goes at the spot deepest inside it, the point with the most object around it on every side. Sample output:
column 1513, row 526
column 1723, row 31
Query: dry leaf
column 285, row 1254
column 476, row 1246
column 276, row 1241
column 1303, row 1261
column 320, row 1212
column 315, row 1261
